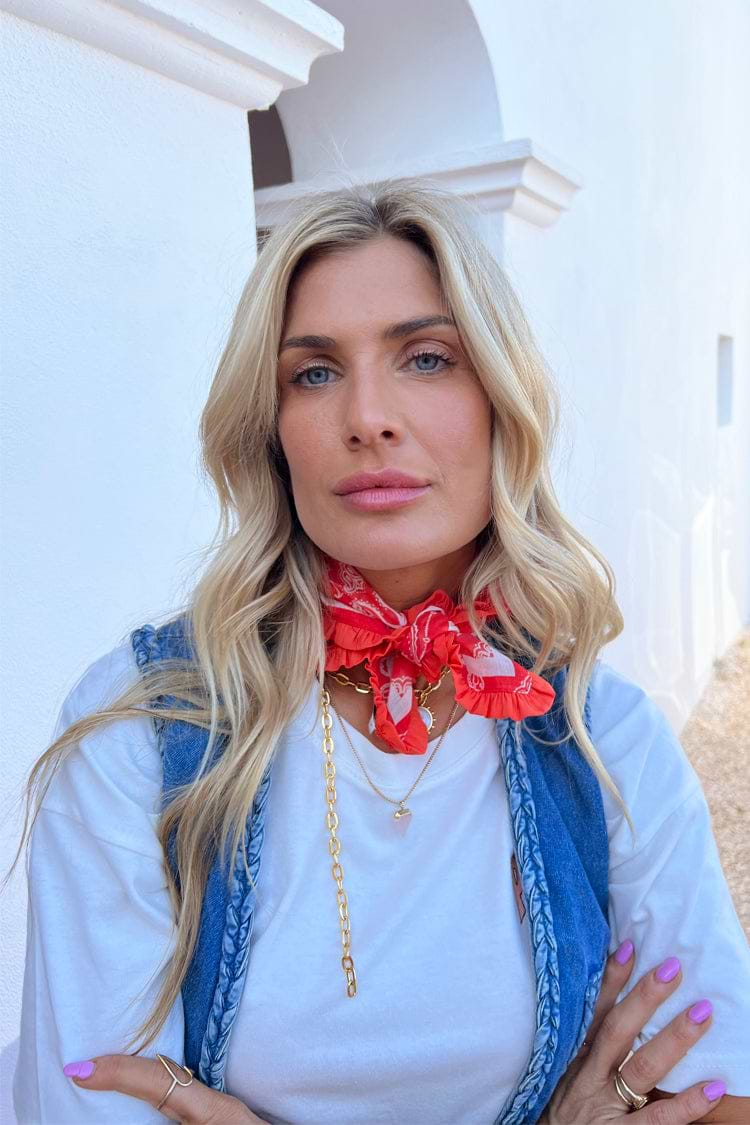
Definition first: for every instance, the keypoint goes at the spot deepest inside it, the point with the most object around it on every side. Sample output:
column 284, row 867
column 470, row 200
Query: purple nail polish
column 668, row 970
column 624, row 952
column 700, row 1011
column 83, row 1069
column 714, row 1091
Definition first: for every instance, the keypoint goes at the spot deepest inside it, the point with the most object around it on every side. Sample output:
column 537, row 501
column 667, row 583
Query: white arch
column 413, row 92
column 413, row 80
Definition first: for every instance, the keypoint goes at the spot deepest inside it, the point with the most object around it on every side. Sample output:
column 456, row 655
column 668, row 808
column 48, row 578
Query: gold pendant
column 427, row 716
column 402, row 819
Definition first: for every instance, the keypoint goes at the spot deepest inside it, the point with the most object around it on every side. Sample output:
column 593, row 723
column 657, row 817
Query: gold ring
column 631, row 1099
column 165, row 1061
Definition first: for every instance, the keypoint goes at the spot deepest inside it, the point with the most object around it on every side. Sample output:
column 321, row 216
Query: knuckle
column 685, row 1032
column 641, row 1071
column 201, row 1108
column 697, row 1103
column 665, row 1112
column 651, row 990
column 609, row 1028
column 230, row 1111
column 116, row 1068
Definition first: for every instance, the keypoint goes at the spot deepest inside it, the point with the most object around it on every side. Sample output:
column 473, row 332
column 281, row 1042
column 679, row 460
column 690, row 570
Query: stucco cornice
column 244, row 54
column 517, row 177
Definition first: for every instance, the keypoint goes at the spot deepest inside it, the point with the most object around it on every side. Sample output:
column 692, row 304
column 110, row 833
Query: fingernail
column 83, row 1069
column 700, row 1011
column 714, row 1091
column 668, row 970
column 624, row 953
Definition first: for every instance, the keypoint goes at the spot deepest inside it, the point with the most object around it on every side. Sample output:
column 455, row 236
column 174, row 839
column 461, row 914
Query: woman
column 394, row 584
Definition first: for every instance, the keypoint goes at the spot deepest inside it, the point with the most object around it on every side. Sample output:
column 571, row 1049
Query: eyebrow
column 392, row 332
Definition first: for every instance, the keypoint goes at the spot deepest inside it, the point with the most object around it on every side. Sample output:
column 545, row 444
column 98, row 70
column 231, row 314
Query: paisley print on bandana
column 398, row 647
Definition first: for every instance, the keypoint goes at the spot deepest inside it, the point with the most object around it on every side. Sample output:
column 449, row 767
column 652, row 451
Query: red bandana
column 397, row 647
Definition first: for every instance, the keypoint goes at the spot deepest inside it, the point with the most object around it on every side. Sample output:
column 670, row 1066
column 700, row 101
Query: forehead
column 378, row 280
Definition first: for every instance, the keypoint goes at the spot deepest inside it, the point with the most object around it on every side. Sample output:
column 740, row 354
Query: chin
column 386, row 551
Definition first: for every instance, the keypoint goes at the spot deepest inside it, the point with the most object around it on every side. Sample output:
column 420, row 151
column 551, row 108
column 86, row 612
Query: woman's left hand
column 147, row 1079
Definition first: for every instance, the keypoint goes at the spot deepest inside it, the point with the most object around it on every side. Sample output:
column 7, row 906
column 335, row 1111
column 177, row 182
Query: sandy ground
column 716, row 738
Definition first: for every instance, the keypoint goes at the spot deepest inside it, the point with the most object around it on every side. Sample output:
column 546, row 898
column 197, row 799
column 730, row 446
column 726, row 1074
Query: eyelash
column 324, row 366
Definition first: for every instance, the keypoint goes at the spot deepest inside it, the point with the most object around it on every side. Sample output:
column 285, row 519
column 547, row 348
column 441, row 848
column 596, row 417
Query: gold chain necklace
column 401, row 810
column 428, row 718
column 334, row 844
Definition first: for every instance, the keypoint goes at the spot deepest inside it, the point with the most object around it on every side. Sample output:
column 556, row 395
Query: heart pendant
column 402, row 819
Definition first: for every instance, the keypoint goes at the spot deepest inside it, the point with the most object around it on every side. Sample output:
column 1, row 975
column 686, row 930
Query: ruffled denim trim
column 235, row 950
column 145, row 643
column 589, row 1003
column 544, row 944
column 595, row 983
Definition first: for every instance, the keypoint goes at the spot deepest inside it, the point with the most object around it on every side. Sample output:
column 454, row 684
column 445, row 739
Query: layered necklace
column 402, row 815
column 397, row 646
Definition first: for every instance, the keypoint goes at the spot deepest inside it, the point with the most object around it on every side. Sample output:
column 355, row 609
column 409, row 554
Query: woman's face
column 374, row 397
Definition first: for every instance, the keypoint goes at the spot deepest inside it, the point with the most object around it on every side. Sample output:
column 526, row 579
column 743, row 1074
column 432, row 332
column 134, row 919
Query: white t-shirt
column 442, row 1024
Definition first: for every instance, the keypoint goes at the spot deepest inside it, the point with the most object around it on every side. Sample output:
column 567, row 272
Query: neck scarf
column 399, row 646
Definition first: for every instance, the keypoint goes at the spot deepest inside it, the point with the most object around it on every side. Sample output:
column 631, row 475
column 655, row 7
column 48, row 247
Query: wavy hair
column 254, row 613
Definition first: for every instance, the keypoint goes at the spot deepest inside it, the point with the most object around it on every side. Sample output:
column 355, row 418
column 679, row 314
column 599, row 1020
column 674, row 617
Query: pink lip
column 371, row 499
column 383, row 478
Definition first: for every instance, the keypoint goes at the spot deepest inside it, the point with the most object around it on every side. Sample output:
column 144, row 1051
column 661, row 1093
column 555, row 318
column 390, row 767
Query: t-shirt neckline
column 394, row 773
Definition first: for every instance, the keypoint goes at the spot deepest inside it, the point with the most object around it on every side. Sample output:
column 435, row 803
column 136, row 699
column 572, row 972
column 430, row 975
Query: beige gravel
column 716, row 738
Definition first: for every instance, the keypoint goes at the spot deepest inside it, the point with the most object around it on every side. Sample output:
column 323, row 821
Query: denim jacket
column 562, row 852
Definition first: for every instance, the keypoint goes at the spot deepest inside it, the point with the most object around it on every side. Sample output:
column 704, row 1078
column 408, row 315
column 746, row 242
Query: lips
column 385, row 478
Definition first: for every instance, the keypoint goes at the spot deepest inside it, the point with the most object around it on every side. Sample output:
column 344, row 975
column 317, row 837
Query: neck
column 407, row 586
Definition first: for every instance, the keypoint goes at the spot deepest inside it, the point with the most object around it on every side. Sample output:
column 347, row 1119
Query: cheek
column 304, row 439
column 460, row 435
column 292, row 430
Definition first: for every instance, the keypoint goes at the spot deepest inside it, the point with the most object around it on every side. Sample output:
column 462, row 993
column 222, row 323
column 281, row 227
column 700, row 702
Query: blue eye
column 304, row 371
column 446, row 360
column 428, row 353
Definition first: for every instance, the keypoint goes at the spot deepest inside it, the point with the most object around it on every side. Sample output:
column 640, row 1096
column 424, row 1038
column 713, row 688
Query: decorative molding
column 246, row 54
column 517, row 177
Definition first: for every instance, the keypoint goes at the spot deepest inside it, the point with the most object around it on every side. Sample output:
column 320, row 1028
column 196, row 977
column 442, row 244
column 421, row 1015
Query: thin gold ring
column 630, row 1097
column 165, row 1061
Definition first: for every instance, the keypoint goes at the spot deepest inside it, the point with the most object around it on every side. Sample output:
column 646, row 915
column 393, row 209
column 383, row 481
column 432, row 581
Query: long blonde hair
column 255, row 615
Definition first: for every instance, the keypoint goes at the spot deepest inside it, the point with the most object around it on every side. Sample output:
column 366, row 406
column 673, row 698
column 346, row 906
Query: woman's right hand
column 586, row 1094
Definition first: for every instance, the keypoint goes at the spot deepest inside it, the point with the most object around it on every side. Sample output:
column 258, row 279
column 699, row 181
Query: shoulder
column 110, row 780
column 642, row 754
column 101, row 681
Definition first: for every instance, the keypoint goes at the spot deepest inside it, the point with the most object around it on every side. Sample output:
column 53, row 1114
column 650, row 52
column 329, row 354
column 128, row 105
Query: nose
column 371, row 412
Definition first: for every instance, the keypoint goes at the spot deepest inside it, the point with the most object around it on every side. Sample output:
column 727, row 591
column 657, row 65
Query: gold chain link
column 366, row 689
column 332, row 822
column 334, row 847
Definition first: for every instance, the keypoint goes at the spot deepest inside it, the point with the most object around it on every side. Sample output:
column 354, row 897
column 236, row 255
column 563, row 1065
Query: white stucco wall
column 128, row 231
column 124, row 251
column 629, row 293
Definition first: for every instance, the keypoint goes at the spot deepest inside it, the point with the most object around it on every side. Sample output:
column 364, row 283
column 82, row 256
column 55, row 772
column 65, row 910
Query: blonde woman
column 368, row 832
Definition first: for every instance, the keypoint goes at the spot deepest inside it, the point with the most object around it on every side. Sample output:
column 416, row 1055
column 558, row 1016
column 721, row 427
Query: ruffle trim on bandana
column 396, row 647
